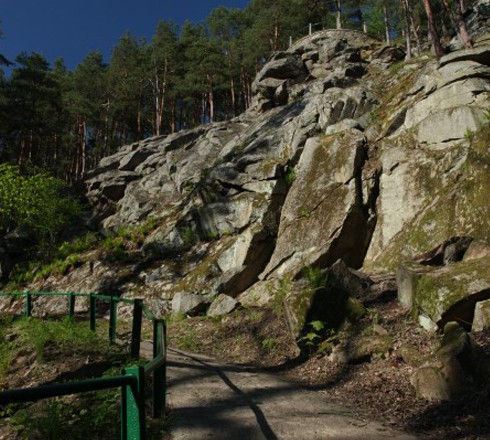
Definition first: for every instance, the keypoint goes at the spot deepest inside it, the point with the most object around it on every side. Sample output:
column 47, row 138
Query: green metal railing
column 131, row 381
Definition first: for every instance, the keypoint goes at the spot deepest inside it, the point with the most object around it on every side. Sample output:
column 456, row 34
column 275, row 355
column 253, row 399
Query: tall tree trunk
column 139, row 117
column 158, row 105
column 406, row 10
column 338, row 19
column 204, row 100
column 387, row 27
column 276, row 35
column 211, row 104
column 416, row 33
column 20, row 160
column 172, row 116
column 462, row 6
column 433, row 34
column 458, row 23
column 30, row 144
column 233, row 98
column 83, row 146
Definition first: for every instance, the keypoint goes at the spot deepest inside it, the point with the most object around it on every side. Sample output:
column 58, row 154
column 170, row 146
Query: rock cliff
column 347, row 152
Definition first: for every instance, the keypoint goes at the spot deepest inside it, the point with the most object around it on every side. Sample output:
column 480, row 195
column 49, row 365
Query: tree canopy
column 66, row 121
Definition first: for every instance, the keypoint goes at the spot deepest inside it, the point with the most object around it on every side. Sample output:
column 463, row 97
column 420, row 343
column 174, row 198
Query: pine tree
column 129, row 80
column 32, row 98
column 163, row 75
column 433, row 33
column 87, row 101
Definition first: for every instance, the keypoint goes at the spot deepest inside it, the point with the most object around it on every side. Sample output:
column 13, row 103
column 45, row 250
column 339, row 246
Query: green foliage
column 290, row 176
column 35, row 201
column 187, row 341
column 269, row 344
column 486, row 116
column 79, row 245
column 315, row 333
column 21, row 276
column 5, row 351
column 66, row 335
column 188, row 235
column 317, row 325
column 469, row 134
column 317, row 278
column 304, row 213
column 91, row 415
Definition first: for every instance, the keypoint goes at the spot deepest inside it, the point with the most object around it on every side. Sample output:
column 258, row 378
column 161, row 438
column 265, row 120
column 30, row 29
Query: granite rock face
column 337, row 158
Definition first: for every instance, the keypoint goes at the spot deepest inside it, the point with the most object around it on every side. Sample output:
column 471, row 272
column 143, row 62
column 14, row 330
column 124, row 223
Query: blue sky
column 73, row 28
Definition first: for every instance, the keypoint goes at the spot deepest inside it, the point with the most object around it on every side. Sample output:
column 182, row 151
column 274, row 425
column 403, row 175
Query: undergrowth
column 62, row 342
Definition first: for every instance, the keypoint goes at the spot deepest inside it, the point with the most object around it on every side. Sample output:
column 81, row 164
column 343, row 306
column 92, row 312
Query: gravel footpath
column 208, row 399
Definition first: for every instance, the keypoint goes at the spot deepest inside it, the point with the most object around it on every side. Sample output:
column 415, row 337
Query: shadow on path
column 259, row 415
column 209, row 399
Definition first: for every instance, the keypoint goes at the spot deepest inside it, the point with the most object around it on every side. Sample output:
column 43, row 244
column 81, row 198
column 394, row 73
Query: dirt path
column 219, row 401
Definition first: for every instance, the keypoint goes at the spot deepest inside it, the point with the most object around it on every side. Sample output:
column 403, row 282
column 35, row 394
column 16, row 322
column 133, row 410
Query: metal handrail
column 132, row 380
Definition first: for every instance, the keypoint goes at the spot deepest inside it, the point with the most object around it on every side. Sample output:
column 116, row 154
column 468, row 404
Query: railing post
column 136, row 332
column 133, row 406
column 159, row 375
column 290, row 41
column 71, row 305
column 91, row 311
column 28, row 305
column 112, row 320
column 310, row 29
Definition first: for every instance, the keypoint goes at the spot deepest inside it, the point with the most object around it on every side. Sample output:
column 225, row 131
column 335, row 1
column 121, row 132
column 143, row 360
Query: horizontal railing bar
column 155, row 363
column 63, row 389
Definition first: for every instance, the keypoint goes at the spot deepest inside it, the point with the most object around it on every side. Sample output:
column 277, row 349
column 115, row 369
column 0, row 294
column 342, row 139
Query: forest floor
column 251, row 362
column 379, row 386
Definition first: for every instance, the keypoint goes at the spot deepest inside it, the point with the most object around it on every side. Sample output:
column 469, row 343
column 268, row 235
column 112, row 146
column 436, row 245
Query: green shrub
column 35, row 201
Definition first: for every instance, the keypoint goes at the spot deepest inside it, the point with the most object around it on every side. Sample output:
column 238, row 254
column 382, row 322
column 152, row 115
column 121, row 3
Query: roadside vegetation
column 35, row 352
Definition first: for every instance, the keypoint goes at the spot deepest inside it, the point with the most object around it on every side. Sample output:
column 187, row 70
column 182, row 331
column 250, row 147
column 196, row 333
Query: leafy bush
column 36, row 201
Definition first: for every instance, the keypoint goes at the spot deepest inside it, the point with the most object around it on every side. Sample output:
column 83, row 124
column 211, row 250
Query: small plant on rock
column 188, row 235
column 316, row 277
column 290, row 176
column 269, row 344
column 469, row 135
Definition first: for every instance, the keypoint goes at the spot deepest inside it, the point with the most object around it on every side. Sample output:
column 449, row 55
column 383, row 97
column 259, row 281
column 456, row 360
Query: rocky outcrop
column 327, row 298
column 439, row 295
column 433, row 154
column 340, row 157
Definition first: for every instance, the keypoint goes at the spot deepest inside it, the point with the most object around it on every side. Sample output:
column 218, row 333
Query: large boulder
column 481, row 320
column 326, row 214
column 446, row 373
column 222, row 305
column 188, row 304
column 437, row 295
